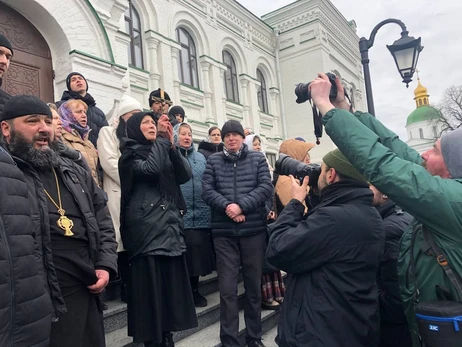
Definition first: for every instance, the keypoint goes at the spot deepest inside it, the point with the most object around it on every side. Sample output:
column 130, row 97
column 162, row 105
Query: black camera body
column 303, row 94
column 286, row 166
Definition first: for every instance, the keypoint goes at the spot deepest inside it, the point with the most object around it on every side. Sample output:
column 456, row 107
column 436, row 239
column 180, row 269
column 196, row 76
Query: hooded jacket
column 246, row 182
column 151, row 223
column 396, row 170
column 297, row 150
column 208, row 148
column 25, row 306
column 332, row 255
column 96, row 117
column 96, row 217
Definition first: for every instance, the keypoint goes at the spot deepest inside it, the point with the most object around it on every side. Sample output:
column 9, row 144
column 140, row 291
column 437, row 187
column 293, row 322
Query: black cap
column 177, row 110
column 68, row 80
column 5, row 43
column 23, row 105
column 159, row 95
column 232, row 126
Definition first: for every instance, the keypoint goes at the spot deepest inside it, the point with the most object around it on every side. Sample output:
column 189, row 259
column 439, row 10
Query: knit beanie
column 160, row 95
column 451, row 147
column 5, row 43
column 232, row 126
column 177, row 110
column 336, row 160
column 68, row 80
column 23, row 105
column 128, row 104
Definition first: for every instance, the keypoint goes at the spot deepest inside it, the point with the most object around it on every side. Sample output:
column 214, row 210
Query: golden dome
column 420, row 91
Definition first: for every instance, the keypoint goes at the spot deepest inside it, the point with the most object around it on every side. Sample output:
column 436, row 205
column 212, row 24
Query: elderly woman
column 213, row 144
column 108, row 150
column 199, row 254
column 75, row 133
column 151, row 170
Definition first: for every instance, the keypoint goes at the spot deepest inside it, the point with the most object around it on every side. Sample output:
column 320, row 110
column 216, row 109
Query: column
column 175, row 48
column 153, row 64
column 205, row 68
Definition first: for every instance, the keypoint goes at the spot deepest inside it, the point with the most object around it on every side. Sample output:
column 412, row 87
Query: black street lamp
column 405, row 52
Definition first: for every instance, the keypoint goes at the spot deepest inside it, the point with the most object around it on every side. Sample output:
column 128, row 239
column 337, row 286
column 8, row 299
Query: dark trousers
column 82, row 325
column 232, row 252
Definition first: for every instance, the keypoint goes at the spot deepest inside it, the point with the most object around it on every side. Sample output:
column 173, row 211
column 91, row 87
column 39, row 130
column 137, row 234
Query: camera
column 286, row 166
column 303, row 94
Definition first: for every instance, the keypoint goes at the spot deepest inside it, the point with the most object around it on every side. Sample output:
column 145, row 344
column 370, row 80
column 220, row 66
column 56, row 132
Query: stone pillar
column 244, row 83
column 152, row 62
column 176, row 79
column 205, row 68
column 274, row 109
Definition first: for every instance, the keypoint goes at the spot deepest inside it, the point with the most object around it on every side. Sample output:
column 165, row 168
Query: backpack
column 439, row 321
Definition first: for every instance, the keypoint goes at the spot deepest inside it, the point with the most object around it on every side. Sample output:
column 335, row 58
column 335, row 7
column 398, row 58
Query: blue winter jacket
column 198, row 215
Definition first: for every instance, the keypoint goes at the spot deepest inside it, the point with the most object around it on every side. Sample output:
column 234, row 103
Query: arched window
column 133, row 28
column 421, row 133
column 262, row 94
column 420, row 102
column 187, row 64
column 231, row 88
column 425, row 101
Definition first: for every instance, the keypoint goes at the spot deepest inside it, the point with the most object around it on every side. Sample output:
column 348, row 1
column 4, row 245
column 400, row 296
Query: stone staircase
column 207, row 334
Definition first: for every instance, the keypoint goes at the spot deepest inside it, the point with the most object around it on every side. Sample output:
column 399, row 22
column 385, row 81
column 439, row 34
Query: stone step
column 268, row 338
column 116, row 319
column 210, row 336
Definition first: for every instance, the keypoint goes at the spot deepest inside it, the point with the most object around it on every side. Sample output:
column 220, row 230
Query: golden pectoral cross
column 65, row 223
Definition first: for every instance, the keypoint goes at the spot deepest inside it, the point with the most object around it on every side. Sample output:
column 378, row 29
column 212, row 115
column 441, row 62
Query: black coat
column 4, row 97
column 332, row 255
column 395, row 221
column 92, row 203
column 246, row 182
column 96, row 117
column 207, row 148
column 151, row 222
column 25, row 306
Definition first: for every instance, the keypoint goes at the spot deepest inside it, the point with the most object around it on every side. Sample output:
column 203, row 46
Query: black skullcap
column 23, row 105
column 68, row 80
column 5, row 43
column 232, row 126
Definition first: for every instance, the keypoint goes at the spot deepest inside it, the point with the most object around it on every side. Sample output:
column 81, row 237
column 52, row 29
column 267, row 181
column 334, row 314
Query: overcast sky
column 439, row 63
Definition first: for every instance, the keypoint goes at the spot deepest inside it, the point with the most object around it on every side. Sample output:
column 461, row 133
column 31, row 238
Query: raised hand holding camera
column 320, row 90
column 299, row 191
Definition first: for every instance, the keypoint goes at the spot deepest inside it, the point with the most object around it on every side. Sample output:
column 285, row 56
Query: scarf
column 70, row 123
column 234, row 156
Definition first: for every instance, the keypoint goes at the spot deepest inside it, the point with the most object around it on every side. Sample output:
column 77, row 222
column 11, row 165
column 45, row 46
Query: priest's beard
column 42, row 159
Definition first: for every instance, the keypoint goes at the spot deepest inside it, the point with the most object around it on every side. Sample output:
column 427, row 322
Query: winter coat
column 86, row 148
column 396, row 170
column 245, row 182
column 395, row 221
column 100, row 231
column 207, row 148
column 4, row 97
column 332, row 255
column 96, row 117
column 25, row 306
column 109, row 154
column 198, row 215
column 151, row 223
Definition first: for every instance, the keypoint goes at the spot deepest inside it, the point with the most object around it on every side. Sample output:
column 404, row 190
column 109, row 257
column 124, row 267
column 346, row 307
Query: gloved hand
column 68, row 152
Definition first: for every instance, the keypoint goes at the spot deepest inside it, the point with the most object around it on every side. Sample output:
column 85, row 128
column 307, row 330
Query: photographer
column 332, row 254
column 429, row 188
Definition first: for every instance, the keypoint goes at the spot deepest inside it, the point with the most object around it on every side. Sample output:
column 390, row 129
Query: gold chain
column 60, row 207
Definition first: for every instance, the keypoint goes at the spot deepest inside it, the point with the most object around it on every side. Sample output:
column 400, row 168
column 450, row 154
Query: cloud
column 438, row 25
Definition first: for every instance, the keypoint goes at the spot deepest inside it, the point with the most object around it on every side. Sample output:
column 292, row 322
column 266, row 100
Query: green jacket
column 395, row 169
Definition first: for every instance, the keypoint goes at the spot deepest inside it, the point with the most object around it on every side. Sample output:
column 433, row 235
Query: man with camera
column 429, row 188
column 332, row 254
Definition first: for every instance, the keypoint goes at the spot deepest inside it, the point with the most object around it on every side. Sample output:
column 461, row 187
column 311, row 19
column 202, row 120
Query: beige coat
column 86, row 148
column 109, row 154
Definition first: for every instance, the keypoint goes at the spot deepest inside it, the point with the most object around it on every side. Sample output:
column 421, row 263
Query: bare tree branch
column 450, row 109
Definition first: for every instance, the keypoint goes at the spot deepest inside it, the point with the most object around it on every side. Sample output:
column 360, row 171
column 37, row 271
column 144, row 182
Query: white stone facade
column 422, row 135
column 89, row 36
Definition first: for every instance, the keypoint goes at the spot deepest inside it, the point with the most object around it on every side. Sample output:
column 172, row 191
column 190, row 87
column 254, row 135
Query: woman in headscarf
column 108, row 150
column 213, row 144
column 199, row 254
column 75, row 133
column 152, row 207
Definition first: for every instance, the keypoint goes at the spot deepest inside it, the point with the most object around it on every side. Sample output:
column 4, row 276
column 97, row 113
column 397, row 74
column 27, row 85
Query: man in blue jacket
column 236, row 184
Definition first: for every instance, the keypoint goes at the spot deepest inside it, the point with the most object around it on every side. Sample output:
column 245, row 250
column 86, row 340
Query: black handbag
column 439, row 321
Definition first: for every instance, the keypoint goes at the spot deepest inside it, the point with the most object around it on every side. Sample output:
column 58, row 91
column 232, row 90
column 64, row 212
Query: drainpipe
column 279, row 78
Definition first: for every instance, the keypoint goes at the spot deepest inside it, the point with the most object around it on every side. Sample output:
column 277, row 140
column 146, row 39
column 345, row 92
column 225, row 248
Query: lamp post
column 405, row 52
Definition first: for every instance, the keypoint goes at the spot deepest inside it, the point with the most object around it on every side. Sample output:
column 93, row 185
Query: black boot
column 167, row 340
column 199, row 300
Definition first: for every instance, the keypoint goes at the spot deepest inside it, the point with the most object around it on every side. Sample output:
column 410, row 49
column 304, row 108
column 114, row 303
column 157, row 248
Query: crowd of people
column 86, row 201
